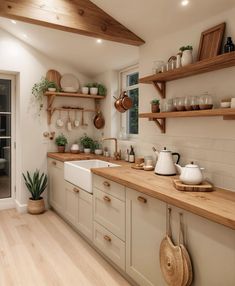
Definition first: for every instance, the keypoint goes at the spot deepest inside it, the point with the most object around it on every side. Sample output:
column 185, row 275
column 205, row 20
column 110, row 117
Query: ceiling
column 148, row 19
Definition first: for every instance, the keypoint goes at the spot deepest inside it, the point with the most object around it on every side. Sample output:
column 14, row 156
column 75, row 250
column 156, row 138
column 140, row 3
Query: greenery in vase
column 97, row 145
column 102, row 89
column 52, row 84
column 35, row 183
column 89, row 85
column 155, row 101
column 87, row 142
column 185, row 48
column 61, row 140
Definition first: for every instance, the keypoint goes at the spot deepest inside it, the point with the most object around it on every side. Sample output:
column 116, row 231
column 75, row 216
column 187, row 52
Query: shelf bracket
column 160, row 87
column 229, row 117
column 161, row 123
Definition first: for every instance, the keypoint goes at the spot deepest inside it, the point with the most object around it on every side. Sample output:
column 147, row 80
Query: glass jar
column 157, row 66
column 180, row 104
column 205, row 101
column 187, row 103
column 195, row 102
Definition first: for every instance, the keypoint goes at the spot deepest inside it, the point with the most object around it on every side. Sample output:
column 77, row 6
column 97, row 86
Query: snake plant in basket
column 36, row 185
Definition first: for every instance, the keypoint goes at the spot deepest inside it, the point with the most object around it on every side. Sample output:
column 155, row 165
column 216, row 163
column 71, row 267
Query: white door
column 7, row 140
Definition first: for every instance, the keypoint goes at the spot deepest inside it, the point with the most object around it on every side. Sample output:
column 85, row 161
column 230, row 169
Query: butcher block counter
column 217, row 206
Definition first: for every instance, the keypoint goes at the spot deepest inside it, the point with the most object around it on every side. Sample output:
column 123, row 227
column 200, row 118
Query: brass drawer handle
column 107, row 199
column 76, row 190
column 107, row 238
column 53, row 163
column 106, row 184
column 142, row 200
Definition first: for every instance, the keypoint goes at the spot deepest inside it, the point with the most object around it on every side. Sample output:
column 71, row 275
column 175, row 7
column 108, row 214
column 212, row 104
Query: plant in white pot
column 98, row 148
column 87, row 143
column 187, row 55
column 52, row 86
column 36, row 185
column 86, row 88
column 94, row 88
column 61, row 141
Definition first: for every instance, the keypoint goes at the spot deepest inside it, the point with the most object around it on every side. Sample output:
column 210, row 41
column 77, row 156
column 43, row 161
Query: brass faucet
column 117, row 155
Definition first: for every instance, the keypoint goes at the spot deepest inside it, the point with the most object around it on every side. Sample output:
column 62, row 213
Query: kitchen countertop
column 217, row 206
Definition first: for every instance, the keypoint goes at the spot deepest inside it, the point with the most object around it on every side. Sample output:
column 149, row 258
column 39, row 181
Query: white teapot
column 191, row 174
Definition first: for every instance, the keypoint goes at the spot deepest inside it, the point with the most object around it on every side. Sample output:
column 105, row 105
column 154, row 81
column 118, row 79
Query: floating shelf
column 159, row 118
column 216, row 63
column 52, row 95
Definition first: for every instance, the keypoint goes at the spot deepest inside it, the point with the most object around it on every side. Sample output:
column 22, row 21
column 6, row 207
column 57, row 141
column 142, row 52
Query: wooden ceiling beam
column 76, row 16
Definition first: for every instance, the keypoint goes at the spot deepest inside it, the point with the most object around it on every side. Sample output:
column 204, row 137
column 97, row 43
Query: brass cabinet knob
column 142, row 199
column 107, row 238
column 53, row 163
column 107, row 199
column 106, row 184
column 76, row 190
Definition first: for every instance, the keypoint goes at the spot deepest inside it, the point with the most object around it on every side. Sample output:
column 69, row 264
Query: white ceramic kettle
column 165, row 165
column 191, row 174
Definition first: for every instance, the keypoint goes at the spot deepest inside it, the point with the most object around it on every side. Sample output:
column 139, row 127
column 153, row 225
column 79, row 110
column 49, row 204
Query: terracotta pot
column 36, row 206
column 155, row 108
column 61, row 149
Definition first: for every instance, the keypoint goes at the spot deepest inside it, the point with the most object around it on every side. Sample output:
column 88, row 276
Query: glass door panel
column 5, row 138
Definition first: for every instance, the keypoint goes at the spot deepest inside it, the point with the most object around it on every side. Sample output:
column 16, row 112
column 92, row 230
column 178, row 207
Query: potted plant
column 155, row 105
column 52, row 86
column 39, row 89
column 94, row 88
column 102, row 89
column 187, row 56
column 98, row 148
column 86, row 88
column 87, row 143
column 61, row 142
column 36, row 184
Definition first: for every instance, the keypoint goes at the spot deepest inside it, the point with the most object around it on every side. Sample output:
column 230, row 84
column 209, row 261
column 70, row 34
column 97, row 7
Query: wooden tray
column 203, row 187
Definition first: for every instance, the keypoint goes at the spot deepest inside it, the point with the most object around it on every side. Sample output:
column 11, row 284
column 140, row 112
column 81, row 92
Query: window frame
column 124, row 118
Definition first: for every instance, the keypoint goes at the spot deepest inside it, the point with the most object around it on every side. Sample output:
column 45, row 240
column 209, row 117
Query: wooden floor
column 43, row 250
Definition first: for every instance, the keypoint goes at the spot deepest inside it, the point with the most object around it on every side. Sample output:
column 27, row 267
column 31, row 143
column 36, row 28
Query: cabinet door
column 56, row 185
column 71, row 202
column 84, row 213
column 145, row 228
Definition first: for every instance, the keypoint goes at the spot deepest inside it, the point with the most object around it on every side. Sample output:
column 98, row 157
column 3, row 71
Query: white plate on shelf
column 69, row 83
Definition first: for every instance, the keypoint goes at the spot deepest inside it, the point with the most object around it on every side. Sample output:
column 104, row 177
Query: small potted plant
column 102, row 89
column 87, row 143
column 39, row 89
column 187, row 56
column 36, row 185
column 86, row 88
column 98, row 148
column 94, row 89
column 155, row 105
column 52, row 86
column 61, row 141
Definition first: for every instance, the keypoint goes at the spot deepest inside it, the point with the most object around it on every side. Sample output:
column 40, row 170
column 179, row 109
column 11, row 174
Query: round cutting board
column 69, row 83
column 53, row 75
column 171, row 262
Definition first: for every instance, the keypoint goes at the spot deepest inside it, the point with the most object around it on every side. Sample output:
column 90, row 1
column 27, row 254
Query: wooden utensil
column 83, row 123
column 171, row 260
column 99, row 121
column 203, row 187
column 55, row 76
column 188, row 270
column 69, row 123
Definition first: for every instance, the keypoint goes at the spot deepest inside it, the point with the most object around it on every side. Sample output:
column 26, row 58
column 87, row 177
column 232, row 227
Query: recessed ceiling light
column 184, row 2
column 99, row 41
column 13, row 21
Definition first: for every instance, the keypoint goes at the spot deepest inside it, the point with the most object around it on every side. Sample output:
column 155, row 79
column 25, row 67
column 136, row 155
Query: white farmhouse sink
column 79, row 173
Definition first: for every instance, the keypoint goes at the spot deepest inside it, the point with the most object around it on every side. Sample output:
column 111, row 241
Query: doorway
column 7, row 143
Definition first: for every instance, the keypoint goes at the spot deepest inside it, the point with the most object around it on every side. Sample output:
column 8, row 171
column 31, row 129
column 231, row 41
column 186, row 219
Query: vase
column 187, row 58
column 85, row 90
column 61, row 149
column 94, row 90
column 36, row 206
column 87, row 150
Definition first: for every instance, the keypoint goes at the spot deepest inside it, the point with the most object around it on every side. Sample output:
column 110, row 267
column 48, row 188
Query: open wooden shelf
column 219, row 62
column 52, row 95
column 159, row 118
column 69, row 94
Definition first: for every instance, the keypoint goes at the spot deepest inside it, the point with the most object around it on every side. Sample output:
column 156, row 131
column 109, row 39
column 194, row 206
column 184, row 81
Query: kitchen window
column 129, row 82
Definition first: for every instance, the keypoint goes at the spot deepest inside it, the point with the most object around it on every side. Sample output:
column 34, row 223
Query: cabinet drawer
column 110, row 245
column 55, row 163
column 109, row 187
column 109, row 212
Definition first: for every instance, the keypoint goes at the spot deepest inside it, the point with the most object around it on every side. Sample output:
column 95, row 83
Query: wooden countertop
column 217, row 206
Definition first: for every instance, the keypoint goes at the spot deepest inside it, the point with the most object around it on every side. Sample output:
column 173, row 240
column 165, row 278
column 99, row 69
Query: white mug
column 233, row 102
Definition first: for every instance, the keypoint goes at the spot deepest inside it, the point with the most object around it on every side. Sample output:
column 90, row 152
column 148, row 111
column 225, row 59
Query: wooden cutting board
column 203, row 187
column 53, row 75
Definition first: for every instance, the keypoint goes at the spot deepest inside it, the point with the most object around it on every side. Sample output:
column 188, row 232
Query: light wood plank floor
column 44, row 251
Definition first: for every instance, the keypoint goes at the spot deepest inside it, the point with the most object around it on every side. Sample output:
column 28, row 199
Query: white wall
column 209, row 142
column 29, row 66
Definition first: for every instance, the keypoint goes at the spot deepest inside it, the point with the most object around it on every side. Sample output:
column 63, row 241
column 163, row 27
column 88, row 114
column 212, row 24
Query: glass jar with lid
column 205, row 101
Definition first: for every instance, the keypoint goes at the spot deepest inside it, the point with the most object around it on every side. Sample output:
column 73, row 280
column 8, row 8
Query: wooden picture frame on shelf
column 210, row 42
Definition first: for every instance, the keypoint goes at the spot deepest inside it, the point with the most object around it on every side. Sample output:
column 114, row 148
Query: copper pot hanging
column 123, row 103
